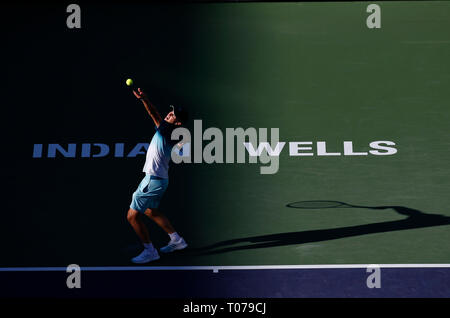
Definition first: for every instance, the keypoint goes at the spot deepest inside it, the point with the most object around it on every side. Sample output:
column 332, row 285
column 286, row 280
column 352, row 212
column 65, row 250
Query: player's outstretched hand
column 139, row 94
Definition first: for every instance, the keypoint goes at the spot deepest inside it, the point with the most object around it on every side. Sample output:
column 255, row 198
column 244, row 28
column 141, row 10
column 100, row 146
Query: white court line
column 217, row 268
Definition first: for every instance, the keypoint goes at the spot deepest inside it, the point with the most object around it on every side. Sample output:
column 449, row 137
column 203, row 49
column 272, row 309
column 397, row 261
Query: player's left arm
column 151, row 110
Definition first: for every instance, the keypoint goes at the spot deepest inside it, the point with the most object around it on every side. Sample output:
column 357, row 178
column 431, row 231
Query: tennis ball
column 129, row 82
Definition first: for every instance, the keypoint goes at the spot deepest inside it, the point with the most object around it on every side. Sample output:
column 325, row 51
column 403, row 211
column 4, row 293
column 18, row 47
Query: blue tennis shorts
column 149, row 193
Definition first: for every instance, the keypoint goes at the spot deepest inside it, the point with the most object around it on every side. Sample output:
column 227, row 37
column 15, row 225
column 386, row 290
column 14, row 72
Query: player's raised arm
column 152, row 111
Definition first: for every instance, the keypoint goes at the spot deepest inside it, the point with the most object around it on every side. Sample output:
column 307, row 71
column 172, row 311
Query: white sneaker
column 146, row 256
column 174, row 245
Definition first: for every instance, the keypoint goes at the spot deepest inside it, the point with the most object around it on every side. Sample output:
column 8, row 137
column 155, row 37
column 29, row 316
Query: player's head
column 178, row 115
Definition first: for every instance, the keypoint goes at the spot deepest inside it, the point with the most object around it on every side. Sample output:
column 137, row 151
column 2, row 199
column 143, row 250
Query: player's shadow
column 415, row 219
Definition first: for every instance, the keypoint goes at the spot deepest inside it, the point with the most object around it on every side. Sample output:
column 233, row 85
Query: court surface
column 313, row 70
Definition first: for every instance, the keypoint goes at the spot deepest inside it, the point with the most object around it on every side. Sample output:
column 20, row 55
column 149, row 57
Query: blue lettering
column 85, row 150
column 70, row 152
column 37, row 151
column 138, row 150
column 119, row 150
column 104, row 150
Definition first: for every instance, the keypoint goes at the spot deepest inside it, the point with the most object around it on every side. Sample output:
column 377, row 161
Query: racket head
column 316, row 204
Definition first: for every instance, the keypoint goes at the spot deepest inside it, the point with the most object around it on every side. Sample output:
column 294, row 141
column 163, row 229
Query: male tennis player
column 147, row 196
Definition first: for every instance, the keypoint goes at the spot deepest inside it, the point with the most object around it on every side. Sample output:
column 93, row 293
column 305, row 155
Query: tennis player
column 147, row 196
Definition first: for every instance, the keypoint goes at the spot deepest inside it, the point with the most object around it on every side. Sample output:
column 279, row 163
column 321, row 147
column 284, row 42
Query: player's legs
column 146, row 200
column 149, row 253
column 159, row 218
column 134, row 218
column 176, row 241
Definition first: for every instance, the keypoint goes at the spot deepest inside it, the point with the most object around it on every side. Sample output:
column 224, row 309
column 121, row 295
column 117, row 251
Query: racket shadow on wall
column 415, row 219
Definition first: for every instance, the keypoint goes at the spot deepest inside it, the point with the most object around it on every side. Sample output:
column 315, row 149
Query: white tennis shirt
column 159, row 151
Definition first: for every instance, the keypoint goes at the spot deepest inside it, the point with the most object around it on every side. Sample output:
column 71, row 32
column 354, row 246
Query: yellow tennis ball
column 129, row 82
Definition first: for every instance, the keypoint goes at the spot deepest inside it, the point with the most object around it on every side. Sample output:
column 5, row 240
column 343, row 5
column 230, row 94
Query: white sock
column 174, row 236
column 149, row 246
